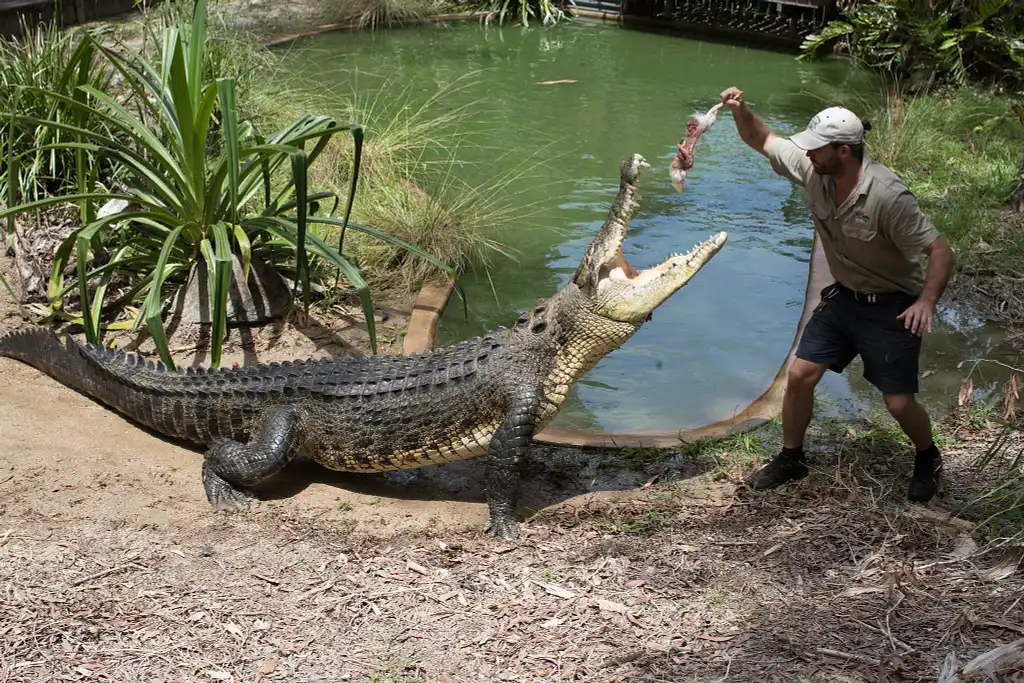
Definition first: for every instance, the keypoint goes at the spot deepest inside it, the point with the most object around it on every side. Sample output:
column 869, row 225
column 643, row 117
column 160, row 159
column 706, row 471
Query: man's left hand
column 918, row 317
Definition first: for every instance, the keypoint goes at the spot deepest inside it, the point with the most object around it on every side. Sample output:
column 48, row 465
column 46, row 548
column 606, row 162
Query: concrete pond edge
column 432, row 299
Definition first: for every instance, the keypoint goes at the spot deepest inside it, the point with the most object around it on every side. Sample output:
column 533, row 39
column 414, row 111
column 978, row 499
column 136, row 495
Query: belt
column 866, row 297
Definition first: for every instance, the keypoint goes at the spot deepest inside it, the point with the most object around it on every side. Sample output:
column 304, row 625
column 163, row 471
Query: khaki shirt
column 874, row 240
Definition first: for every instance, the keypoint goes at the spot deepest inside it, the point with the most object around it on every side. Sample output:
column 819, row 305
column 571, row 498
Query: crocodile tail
column 60, row 357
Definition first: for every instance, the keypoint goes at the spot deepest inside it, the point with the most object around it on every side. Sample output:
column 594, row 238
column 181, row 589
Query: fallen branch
column 105, row 572
column 1004, row 664
column 847, row 655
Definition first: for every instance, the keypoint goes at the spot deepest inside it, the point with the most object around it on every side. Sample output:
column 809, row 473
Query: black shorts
column 844, row 327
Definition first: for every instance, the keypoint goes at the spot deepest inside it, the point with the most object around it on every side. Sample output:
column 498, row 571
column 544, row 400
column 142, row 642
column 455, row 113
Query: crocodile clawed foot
column 503, row 527
column 232, row 500
column 223, row 496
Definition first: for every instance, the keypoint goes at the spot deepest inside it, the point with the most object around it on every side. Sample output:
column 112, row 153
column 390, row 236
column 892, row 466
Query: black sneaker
column 784, row 467
column 927, row 472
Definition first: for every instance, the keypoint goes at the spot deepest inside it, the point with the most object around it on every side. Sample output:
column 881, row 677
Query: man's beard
column 826, row 168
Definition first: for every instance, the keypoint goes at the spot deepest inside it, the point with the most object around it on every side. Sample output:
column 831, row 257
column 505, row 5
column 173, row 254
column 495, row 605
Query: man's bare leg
column 797, row 410
column 798, row 403
column 913, row 419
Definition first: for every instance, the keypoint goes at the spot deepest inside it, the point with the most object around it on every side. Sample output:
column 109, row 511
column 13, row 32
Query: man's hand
column 732, row 98
column 940, row 264
column 918, row 317
column 748, row 124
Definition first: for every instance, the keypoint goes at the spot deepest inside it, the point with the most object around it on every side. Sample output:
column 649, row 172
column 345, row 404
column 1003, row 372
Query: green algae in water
column 551, row 152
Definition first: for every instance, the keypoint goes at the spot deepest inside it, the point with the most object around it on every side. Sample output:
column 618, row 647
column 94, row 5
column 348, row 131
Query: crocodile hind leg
column 231, row 468
column 508, row 446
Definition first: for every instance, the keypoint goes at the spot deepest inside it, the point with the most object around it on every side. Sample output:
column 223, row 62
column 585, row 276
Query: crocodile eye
column 539, row 327
column 540, row 310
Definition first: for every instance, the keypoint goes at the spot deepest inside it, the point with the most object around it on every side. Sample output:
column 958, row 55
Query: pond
column 551, row 151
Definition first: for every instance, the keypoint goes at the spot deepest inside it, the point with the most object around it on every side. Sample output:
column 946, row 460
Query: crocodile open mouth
column 620, row 269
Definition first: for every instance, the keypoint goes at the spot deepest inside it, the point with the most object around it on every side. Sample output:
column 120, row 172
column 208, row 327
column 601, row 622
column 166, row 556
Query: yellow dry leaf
column 1011, row 392
column 965, row 392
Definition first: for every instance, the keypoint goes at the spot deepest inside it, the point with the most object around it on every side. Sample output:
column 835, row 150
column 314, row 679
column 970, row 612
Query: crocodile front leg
column 507, row 448
column 231, row 467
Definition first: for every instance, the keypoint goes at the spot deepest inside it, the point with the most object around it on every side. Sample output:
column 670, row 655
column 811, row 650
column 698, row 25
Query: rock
column 112, row 207
column 265, row 297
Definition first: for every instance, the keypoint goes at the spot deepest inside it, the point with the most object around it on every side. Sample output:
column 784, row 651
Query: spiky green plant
column 197, row 201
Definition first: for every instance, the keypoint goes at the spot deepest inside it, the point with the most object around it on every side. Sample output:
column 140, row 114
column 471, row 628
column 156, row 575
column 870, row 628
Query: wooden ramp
column 782, row 22
column 65, row 12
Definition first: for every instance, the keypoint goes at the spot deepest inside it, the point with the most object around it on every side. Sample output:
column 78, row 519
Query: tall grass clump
column 413, row 184
column 46, row 59
column 958, row 151
column 375, row 13
column 454, row 225
column 362, row 14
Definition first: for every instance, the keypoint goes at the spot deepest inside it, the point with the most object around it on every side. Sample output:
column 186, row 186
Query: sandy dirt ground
column 633, row 567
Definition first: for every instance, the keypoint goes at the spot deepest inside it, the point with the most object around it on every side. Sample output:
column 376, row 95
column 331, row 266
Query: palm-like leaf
column 194, row 206
column 960, row 41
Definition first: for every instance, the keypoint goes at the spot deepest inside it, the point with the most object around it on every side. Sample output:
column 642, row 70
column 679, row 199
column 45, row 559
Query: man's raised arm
column 752, row 129
column 788, row 160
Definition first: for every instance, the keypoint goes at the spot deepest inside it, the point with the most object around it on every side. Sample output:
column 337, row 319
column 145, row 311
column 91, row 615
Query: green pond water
column 551, row 153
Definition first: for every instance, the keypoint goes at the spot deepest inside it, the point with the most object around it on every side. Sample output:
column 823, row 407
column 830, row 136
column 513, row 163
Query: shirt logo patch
column 862, row 219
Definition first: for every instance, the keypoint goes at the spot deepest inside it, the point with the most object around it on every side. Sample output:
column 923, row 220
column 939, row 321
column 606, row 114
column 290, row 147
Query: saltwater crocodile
column 486, row 396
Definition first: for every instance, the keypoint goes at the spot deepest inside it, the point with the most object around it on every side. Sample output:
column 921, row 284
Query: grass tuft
column 374, row 13
column 958, row 151
column 412, row 183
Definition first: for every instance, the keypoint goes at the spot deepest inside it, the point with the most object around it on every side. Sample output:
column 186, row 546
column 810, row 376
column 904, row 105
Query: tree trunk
column 265, row 296
column 34, row 245
column 28, row 265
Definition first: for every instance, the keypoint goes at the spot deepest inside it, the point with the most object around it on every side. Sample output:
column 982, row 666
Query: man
column 873, row 234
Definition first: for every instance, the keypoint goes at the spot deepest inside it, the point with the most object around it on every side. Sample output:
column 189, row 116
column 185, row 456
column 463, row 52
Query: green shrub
column 955, row 41
column 200, row 196
column 46, row 60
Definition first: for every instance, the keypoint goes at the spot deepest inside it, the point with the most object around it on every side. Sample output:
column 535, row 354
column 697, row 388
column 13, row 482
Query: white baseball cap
column 835, row 124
